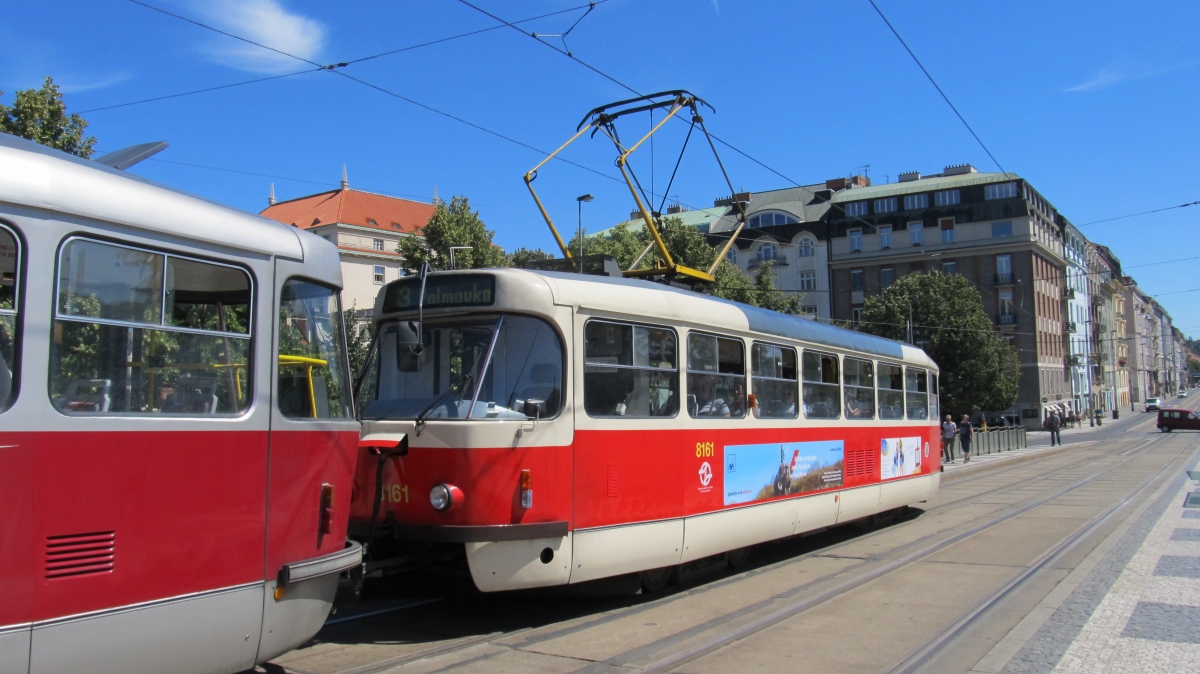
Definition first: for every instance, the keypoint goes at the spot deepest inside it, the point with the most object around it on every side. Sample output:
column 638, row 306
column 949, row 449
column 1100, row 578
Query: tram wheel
column 657, row 580
column 1165, row 429
column 737, row 558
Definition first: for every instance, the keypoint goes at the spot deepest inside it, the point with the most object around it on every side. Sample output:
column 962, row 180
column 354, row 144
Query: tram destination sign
column 441, row 292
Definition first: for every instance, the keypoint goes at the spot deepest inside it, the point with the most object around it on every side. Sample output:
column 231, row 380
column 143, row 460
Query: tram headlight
column 443, row 497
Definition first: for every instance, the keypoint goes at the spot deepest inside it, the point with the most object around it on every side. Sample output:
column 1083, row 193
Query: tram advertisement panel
column 899, row 457
column 756, row 472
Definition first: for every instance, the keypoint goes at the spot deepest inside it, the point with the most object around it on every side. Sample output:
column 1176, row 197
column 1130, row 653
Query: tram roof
column 36, row 176
column 686, row 305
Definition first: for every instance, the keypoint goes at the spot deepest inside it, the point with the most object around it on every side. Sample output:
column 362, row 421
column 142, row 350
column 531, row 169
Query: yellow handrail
column 308, row 363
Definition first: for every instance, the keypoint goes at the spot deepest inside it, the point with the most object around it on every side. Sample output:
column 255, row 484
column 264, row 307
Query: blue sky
column 1091, row 102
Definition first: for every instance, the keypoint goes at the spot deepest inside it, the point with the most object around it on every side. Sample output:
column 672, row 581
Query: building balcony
column 1071, row 327
column 1069, row 294
column 1004, row 279
column 1006, row 319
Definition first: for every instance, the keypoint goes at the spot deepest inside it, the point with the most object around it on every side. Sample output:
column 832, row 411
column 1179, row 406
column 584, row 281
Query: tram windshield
column 496, row 367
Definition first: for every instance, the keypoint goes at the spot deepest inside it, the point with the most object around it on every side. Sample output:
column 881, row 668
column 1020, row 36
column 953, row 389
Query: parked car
column 1169, row 420
column 1152, row 404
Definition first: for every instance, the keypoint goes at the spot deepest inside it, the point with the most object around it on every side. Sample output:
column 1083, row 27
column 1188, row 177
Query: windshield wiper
column 462, row 390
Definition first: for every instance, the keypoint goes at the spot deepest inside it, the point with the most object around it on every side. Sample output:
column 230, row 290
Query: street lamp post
column 454, row 248
column 580, row 200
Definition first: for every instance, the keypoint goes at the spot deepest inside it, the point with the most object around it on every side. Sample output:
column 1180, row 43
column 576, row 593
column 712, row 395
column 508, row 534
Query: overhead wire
column 1132, row 215
column 336, row 69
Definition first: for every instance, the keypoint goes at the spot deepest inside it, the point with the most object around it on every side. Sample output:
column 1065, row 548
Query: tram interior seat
column 86, row 395
column 194, row 396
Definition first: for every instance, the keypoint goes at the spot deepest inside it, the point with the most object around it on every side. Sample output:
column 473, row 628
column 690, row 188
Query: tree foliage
column 523, row 256
column 41, row 116
column 689, row 247
column 452, row 224
column 979, row 370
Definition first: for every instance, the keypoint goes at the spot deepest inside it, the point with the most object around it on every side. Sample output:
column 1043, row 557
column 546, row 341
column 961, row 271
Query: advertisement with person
column 899, row 457
column 757, row 472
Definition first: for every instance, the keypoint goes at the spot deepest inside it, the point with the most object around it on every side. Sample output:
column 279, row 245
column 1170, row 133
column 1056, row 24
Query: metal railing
column 992, row 441
column 1004, row 279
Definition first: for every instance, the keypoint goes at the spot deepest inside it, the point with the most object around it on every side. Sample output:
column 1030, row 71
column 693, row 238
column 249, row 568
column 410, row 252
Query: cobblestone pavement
column 1138, row 609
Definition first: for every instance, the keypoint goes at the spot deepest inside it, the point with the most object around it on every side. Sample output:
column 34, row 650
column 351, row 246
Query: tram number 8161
column 704, row 450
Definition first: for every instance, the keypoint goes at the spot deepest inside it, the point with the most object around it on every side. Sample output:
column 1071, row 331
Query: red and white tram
column 176, row 438
column 560, row 428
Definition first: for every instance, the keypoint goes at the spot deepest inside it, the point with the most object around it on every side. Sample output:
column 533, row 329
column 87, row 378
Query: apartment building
column 994, row 229
column 366, row 228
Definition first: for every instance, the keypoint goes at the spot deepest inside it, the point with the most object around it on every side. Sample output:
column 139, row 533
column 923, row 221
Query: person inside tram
column 708, row 403
column 737, row 399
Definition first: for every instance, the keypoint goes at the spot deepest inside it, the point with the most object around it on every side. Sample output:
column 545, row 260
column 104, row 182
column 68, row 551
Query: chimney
column 835, row 184
column 271, row 199
column 860, row 181
column 675, row 208
column 910, row 176
column 958, row 170
column 635, row 214
column 345, row 180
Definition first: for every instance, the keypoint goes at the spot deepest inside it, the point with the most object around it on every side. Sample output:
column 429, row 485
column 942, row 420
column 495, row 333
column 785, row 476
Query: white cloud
column 71, row 84
column 1118, row 73
column 266, row 22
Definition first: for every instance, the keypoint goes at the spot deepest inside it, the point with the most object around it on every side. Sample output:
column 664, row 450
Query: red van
column 1169, row 420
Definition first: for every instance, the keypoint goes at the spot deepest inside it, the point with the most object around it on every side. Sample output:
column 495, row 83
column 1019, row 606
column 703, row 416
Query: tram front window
column 507, row 367
column 9, row 267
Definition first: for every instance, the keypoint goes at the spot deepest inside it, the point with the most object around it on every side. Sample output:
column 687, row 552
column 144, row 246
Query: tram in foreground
column 558, row 428
column 176, row 438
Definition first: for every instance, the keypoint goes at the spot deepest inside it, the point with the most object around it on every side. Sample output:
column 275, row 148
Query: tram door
column 313, row 440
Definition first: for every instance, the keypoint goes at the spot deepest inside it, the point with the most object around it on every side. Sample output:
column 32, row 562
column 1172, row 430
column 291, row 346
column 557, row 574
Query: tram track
column 610, row 612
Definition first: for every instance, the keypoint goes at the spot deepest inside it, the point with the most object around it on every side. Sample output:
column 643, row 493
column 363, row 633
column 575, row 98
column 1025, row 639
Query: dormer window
column 807, row 249
column 856, row 208
column 770, row 219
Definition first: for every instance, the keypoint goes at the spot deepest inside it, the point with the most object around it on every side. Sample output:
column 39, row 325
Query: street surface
column 1071, row 559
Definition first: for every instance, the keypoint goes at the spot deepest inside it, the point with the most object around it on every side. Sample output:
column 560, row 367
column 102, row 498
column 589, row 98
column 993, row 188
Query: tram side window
column 916, row 393
column 141, row 332
column 859, row 381
column 716, row 376
column 934, row 392
column 312, row 381
column 10, row 265
column 891, row 391
column 773, row 376
column 630, row 370
column 821, row 399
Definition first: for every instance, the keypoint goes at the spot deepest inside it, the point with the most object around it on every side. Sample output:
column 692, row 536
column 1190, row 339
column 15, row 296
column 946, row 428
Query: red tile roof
column 352, row 207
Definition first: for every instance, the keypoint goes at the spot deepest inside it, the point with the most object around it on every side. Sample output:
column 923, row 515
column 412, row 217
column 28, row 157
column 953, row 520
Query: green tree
column 979, row 370
column 41, row 116
column 452, row 224
column 523, row 256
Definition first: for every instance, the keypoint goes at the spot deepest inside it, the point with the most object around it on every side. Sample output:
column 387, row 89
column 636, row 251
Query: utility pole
column 580, row 200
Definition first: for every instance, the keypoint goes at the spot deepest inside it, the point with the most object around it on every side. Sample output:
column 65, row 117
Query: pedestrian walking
column 949, row 430
column 1055, row 426
column 964, row 437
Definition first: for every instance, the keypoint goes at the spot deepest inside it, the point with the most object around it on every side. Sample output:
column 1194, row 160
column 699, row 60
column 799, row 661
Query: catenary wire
column 1132, row 215
column 936, row 86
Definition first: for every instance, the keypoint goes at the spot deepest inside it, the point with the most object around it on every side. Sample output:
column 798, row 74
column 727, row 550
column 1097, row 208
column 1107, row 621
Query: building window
column 808, row 310
column 945, row 198
column 1004, row 269
column 1006, row 307
column 807, row 249
column 915, row 201
column 886, row 276
column 856, row 280
column 377, row 244
column 916, row 232
column 885, row 237
column 855, row 240
column 808, row 280
column 999, row 191
column 732, row 256
column 1000, row 229
column 950, row 268
column 856, row 316
column 947, row 225
column 770, row 219
column 767, row 253
column 378, row 274
column 885, row 205
column 856, row 208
